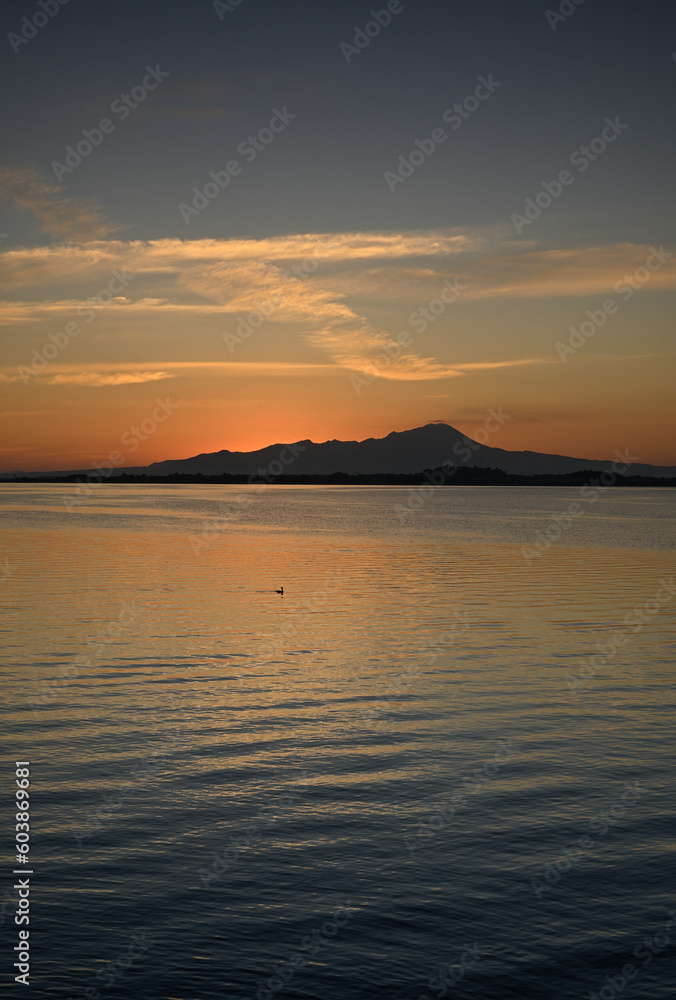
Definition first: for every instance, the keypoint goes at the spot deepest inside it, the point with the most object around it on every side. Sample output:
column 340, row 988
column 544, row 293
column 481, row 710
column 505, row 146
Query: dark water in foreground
column 405, row 764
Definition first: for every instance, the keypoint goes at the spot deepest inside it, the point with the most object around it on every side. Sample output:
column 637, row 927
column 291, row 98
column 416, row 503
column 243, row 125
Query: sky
column 232, row 224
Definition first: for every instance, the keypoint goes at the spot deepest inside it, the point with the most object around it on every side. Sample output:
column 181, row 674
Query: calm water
column 404, row 764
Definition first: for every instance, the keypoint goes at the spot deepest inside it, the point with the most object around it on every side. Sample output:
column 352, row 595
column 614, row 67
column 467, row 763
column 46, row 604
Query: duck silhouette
column 280, row 591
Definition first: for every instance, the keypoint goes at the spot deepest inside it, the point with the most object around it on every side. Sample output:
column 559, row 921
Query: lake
column 439, row 765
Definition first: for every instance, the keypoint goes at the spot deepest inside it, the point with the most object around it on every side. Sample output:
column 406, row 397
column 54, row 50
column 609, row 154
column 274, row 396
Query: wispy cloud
column 62, row 217
column 488, row 365
column 124, row 373
column 570, row 271
column 558, row 273
column 95, row 379
column 318, row 286
column 231, row 276
column 91, row 376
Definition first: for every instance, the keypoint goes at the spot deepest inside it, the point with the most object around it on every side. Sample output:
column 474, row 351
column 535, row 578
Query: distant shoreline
column 462, row 477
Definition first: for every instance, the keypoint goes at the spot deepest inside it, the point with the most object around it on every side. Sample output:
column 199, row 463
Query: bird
column 280, row 591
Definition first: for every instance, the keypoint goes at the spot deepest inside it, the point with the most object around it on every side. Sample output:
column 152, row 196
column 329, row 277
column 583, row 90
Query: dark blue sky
column 325, row 171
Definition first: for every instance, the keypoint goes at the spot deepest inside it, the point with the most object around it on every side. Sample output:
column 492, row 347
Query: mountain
column 400, row 453
column 411, row 451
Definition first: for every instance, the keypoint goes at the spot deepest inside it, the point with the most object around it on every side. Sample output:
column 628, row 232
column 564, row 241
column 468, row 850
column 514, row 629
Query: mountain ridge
column 400, row 452
column 409, row 451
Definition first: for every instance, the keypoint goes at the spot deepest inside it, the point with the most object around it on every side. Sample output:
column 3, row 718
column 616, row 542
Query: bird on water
column 280, row 591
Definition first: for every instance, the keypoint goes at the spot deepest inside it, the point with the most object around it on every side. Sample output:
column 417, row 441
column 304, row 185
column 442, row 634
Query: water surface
column 404, row 741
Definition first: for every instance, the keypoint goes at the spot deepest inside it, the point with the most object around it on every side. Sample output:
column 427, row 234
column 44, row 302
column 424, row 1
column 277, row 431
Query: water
column 408, row 740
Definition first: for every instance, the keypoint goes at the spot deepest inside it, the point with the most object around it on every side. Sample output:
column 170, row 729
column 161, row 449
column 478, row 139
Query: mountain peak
column 431, row 446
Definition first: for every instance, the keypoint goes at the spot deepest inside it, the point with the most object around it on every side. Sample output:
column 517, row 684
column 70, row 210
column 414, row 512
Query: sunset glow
column 168, row 256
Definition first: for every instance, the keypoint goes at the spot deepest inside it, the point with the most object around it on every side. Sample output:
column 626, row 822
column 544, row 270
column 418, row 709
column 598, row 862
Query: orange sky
column 183, row 321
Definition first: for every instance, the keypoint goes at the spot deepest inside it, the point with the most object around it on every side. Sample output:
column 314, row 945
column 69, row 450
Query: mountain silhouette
column 411, row 451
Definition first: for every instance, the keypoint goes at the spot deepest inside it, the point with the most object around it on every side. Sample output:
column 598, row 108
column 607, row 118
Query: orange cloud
column 98, row 378
column 304, row 283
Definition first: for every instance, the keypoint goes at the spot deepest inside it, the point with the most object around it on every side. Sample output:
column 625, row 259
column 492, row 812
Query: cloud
column 559, row 273
column 570, row 271
column 95, row 379
column 233, row 276
column 488, row 365
column 306, row 255
column 326, row 320
column 60, row 216
column 124, row 373
column 319, row 285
